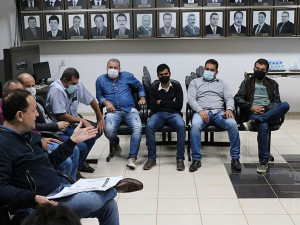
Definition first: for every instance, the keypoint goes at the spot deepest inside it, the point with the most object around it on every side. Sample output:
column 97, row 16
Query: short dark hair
column 237, row 13
column 76, row 17
column 69, row 73
column 212, row 61
column 213, row 14
column 47, row 214
column 263, row 13
column 162, row 67
column 7, row 84
column 31, row 18
column 99, row 15
column 53, row 17
column 286, row 13
column 167, row 14
column 115, row 61
column 121, row 14
column 262, row 62
column 16, row 100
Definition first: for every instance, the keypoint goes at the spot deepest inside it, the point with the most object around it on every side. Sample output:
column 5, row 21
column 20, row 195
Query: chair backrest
column 146, row 81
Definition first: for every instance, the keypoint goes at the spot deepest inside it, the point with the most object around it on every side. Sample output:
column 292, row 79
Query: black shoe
column 250, row 125
column 149, row 164
column 236, row 165
column 87, row 168
column 117, row 150
column 128, row 185
column 195, row 165
column 180, row 164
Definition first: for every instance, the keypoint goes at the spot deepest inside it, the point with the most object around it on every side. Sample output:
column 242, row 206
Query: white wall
column 235, row 56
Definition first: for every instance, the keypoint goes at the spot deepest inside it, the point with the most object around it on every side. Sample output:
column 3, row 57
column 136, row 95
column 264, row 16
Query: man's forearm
column 96, row 109
column 68, row 117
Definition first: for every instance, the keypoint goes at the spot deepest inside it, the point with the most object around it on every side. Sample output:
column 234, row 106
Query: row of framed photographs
column 161, row 24
column 36, row 5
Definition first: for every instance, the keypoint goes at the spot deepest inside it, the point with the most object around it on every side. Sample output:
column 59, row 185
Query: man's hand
column 257, row 109
column 39, row 199
column 158, row 102
column 228, row 114
column 44, row 144
column 101, row 125
column 174, row 99
column 62, row 125
column 204, row 116
column 52, row 141
column 85, row 123
column 142, row 101
column 109, row 107
column 82, row 134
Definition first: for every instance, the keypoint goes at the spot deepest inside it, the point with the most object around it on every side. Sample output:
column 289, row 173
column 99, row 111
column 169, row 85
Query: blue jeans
column 84, row 147
column 270, row 118
column 69, row 166
column 93, row 204
column 157, row 121
column 133, row 120
column 217, row 120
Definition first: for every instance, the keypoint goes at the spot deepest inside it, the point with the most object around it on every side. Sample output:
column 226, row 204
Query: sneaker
column 250, row 125
column 149, row 164
column 236, row 165
column 117, row 149
column 262, row 167
column 180, row 164
column 131, row 163
column 195, row 165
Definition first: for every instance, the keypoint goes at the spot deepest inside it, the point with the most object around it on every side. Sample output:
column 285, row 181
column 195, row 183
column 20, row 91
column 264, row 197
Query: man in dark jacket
column 259, row 99
column 27, row 175
column 165, row 102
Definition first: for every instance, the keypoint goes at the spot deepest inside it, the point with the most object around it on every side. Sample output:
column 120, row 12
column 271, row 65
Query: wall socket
column 62, row 62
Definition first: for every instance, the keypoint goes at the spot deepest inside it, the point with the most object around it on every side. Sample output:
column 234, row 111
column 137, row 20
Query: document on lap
column 85, row 185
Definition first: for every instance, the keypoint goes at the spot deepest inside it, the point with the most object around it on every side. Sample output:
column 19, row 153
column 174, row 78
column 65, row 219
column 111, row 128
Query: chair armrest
column 49, row 134
column 189, row 114
column 69, row 179
column 144, row 113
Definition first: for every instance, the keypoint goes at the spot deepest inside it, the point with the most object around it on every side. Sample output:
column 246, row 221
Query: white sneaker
column 131, row 163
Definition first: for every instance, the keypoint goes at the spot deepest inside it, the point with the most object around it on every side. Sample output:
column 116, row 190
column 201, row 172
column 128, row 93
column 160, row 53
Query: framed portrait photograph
column 54, row 26
column 167, row 24
column 32, row 27
column 285, row 22
column 261, row 23
column 238, row 3
column 214, row 3
column 237, row 22
column 75, row 4
column 214, row 23
column 98, row 4
column 191, row 24
column 262, row 2
column 190, row 3
column 118, row 4
column 53, row 4
column 99, row 25
column 166, row 3
column 122, row 25
column 285, row 2
column 76, row 26
column 30, row 5
column 144, row 3
column 144, row 24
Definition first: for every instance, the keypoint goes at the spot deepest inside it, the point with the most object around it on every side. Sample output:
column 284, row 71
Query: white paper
column 84, row 185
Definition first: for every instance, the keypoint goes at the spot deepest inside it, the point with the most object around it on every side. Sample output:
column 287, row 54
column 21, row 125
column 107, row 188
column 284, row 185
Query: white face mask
column 112, row 73
column 32, row 91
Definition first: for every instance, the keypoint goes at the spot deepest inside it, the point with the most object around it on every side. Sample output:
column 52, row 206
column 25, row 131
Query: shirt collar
column 161, row 88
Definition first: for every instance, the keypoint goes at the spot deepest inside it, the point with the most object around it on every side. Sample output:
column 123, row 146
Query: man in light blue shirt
column 207, row 96
column 113, row 90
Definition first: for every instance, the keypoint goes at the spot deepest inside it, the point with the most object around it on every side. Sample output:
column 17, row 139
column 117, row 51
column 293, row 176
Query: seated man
column 27, row 174
column 63, row 99
column 259, row 99
column 113, row 90
column 207, row 96
column 165, row 102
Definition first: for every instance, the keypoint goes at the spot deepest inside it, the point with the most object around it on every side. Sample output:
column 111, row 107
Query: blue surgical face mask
column 71, row 89
column 208, row 75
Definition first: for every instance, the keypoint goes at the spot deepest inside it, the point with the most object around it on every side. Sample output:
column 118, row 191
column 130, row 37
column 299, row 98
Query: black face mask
column 164, row 79
column 259, row 75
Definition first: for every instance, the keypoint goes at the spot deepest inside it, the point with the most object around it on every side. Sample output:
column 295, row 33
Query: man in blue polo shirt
column 113, row 90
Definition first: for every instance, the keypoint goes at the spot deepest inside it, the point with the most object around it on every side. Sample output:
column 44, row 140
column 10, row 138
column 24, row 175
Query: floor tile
column 240, row 179
column 269, row 220
column 215, row 191
column 173, row 192
column 220, row 207
column 247, row 168
column 296, row 219
column 287, row 191
column 137, row 206
column 292, row 158
column 292, row 205
column 179, row 219
column 178, row 179
column 284, row 178
column 254, row 191
column 262, row 206
column 136, row 219
column 178, row 207
column 211, row 179
column 224, row 220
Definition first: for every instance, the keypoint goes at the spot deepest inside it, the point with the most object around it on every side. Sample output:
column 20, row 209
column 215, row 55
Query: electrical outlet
column 62, row 62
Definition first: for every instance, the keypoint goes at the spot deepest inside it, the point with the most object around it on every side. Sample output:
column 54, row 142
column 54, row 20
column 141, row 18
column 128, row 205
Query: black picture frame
column 55, row 22
column 144, row 24
column 26, row 5
column 191, row 23
column 240, row 15
column 32, row 27
column 167, row 17
column 124, row 20
column 289, row 27
column 237, row 2
column 98, row 4
column 72, row 21
column 285, row 2
column 191, row 3
column 214, row 3
column 53, row 4
column 80, row 4
column 262, row 2
column 166, row 3
column 214, row 23
column 144, row 3
column 99, row 25
column 261, row 23
column 120, row 4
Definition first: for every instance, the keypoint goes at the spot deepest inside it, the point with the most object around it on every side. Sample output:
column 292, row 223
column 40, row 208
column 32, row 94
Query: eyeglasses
column 259, row 69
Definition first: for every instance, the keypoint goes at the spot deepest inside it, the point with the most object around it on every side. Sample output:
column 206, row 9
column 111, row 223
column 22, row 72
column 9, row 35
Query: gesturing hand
column 82, row 134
